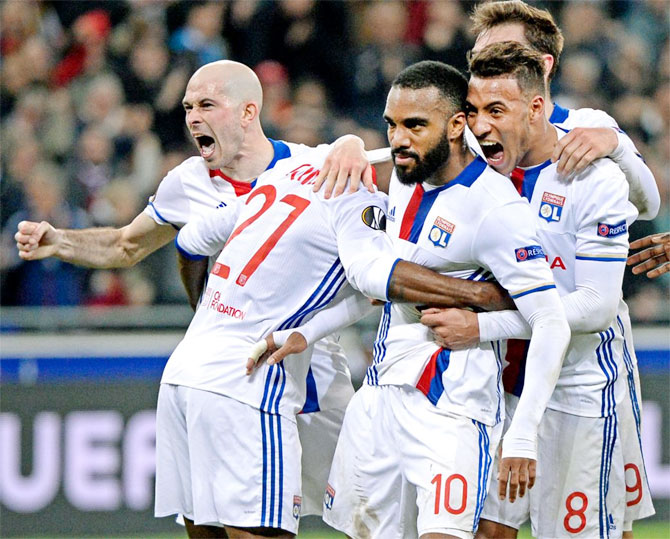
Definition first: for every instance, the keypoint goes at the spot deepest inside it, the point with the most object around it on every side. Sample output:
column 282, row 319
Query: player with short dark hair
column 415, row 451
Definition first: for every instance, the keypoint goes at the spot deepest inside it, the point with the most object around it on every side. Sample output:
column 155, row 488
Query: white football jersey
column 288, row 253
column 190, row 190
column 580, row 222
column 474, row 227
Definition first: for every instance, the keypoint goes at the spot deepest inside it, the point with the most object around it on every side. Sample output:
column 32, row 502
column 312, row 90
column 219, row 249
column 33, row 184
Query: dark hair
column 450, row 82
column 514, row 59
column 540, row 30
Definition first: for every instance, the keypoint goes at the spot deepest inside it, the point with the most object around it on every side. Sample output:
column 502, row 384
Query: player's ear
column 455, row 125
column 536, row 108
column 250, row 111
column 549, row 62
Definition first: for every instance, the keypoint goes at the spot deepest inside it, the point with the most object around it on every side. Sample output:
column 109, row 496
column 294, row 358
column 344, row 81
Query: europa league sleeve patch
column 606, row 230
column 374, row 217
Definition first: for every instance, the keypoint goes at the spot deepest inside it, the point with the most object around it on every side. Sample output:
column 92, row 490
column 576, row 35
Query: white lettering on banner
column 93, row 446
column 31, row 493
column 92, row 462
column 139, row 460
column 658, row 473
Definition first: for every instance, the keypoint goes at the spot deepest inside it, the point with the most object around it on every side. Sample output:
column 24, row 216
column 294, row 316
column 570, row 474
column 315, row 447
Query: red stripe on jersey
column 517, row 179
column 410, row 212
column 516, row 353
column 374, row 175
column 241, row 188
column 428, row 373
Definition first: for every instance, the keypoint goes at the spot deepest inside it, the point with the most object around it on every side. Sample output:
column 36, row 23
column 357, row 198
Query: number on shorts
column 269, row 193
column 637, row 487
column 575, row 512
column 437, row 481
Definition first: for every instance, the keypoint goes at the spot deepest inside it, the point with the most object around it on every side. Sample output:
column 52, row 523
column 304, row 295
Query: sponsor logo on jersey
column 374, row 217
column 441, row 232
column 606, row 230
column 329, row 496
column 529, row 253
column 297, row 503
column 551, row 207
column 222, row 204
column 227, row 310
column 391, row 215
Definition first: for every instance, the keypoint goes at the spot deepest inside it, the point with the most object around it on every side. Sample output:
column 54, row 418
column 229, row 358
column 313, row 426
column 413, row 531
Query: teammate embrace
column 246, row 453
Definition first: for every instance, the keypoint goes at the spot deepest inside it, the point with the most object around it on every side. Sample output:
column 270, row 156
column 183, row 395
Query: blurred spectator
column 444, row 37
column 309, row 38
column 49, row 281
column 91, row 166
column 201, row 35
column 277, row 106
column 381, row 56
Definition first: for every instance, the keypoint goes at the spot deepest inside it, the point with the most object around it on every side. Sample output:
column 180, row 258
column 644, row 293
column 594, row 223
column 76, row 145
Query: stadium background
column 91, row 120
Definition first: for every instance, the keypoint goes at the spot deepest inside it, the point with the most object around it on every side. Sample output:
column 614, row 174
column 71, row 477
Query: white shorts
column 579, row 482
column 403, row 468
column 219, row 461
column 638, row 497
column 318, row 436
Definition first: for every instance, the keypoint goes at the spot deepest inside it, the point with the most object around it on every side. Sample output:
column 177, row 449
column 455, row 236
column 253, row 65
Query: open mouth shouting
column 206, row 145
column 493, row 151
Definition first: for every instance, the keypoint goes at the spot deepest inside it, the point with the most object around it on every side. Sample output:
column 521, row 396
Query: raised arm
column 93, row 247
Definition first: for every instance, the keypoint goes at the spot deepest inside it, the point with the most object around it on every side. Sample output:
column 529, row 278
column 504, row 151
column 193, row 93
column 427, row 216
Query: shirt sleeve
column 590, row 308
column 206, row 235
column 170, row 205
column 643, row 191
column 335, row 316
column 602, row 213
column 508, row 246
column 366, row 252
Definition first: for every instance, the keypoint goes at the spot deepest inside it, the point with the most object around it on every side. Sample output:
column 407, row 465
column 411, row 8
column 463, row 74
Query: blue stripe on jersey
column 466, row 178
column 559, row 114
column 436, row 385
column 388, row 283
column 335, row 270
column 326, row 296
column 163, row 218
column 427, row 201
column 530, row 177
column 483, row 471
column 379, row 348
column 282, row 151
column 532, row 290
column 599, row 259
column 609, row 369
column 311, row 397
column 609, row 441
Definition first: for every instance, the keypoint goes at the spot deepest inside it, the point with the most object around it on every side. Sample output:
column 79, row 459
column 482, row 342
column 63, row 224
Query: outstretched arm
column 93, row 247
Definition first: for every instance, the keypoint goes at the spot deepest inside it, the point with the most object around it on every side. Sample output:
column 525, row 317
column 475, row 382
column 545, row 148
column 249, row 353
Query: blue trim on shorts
column 483, row 471
column 609, row 441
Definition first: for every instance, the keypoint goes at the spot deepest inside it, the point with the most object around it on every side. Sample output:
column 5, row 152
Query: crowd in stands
column 91, row 113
